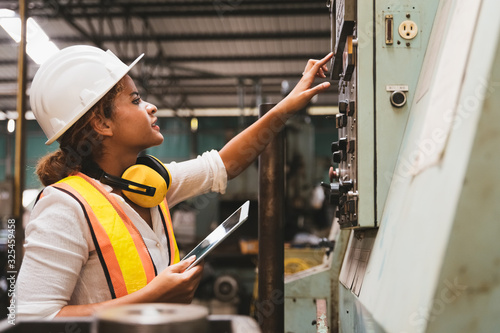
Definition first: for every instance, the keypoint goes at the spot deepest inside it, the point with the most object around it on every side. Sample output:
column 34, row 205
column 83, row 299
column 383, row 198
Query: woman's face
column 133, row 120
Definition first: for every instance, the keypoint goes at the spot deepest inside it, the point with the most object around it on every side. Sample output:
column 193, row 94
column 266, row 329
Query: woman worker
column 90, row 243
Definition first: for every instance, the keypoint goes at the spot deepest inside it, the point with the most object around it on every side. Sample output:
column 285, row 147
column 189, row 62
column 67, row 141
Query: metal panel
column 320, row 282
column 305, row 311
column 353, row 316
column 371, row 125
column 356, row 259
column 434, row 264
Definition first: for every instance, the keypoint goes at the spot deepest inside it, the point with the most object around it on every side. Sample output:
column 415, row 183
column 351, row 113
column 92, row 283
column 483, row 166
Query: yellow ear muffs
column 151, row 173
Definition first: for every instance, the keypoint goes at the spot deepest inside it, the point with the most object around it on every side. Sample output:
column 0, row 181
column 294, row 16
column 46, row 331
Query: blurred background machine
column 416, row 182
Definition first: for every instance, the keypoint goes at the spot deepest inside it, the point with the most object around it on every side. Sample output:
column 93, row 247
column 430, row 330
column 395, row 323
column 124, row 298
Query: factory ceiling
column 198, row 54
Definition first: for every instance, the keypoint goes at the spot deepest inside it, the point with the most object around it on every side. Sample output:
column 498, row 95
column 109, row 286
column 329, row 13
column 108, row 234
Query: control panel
column 344, row 192
column 378, row 52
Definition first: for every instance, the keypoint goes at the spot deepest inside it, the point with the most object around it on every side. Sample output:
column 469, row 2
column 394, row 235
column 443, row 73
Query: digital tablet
column 219, row 234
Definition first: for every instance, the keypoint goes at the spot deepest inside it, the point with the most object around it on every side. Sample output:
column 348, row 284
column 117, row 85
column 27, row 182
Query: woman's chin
column 159, row 141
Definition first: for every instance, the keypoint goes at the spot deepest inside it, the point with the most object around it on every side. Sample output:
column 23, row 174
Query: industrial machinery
column 140, row 318
column 417, row 186
column 379, row 48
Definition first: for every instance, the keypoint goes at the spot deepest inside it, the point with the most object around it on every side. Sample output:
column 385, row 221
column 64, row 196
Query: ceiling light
column 7, row 13
column 194, row 124
column 11, row 125
column 38, row 45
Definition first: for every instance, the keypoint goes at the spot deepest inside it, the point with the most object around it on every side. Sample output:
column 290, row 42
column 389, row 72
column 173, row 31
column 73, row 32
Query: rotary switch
column 343, row 106
column 351, row 146
column 339, row 145
column 339, row 150
column 345, row 186
column 352, row 108
column 339, row 156
column 333, row 192
column 341, row 121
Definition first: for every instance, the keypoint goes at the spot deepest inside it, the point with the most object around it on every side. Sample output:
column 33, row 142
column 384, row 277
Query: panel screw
column 407, row 15
column 408, row 44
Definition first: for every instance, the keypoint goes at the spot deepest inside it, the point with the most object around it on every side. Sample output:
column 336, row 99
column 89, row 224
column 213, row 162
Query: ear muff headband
column 145, row 183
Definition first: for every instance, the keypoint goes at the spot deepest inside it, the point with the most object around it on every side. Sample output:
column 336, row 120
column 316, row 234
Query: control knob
column 332, row 192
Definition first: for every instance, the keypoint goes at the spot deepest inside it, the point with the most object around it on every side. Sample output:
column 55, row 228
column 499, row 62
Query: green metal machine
column 418, row 187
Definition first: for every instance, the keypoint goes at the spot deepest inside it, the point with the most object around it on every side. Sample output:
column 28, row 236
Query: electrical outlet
column 408, row 29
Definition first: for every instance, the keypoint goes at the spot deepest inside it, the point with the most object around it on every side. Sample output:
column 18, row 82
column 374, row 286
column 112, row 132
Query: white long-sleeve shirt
column 61, row 266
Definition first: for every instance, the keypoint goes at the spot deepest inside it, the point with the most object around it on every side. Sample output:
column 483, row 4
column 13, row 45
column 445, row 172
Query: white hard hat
column 70, row 83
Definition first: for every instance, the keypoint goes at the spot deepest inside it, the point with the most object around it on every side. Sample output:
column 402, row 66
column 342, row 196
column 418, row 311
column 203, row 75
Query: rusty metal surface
column 321, row 316
column 270, row 304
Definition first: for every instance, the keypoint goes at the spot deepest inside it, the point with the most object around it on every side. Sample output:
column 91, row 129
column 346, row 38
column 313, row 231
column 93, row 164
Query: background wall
column 180, row 143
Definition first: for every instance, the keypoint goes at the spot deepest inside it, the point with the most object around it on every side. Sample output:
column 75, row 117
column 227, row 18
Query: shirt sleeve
column 56, row 248
column 206, row 173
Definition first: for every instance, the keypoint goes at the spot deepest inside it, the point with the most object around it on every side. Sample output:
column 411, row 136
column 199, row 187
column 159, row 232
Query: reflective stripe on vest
column 169, row 231
column 122, row 252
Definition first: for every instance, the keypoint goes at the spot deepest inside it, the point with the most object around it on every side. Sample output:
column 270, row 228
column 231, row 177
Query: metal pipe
column 20, row 156
column 241, row 104
column 270, row 304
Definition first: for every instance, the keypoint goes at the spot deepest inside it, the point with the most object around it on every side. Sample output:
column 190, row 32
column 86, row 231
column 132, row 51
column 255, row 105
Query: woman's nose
column 152, row 108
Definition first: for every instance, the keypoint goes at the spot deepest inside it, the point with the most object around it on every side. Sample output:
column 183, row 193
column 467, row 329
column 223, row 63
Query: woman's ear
column 102, row 125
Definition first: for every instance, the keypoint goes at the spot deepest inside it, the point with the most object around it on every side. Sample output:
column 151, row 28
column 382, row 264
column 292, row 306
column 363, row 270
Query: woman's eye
column 137, row 101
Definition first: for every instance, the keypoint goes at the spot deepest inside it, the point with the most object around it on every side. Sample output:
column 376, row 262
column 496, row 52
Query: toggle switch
column 341, row 121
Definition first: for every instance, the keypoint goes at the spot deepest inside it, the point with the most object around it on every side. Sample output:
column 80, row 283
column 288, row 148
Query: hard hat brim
column 91, row 104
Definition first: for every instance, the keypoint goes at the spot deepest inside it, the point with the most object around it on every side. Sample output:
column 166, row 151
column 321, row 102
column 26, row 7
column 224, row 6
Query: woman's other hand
column 175, row 284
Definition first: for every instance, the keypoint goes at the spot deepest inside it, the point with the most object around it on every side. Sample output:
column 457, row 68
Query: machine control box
column 378, row 52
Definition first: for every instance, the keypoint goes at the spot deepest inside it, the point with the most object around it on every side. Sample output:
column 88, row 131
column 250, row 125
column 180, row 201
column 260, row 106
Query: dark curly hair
column 79, row 144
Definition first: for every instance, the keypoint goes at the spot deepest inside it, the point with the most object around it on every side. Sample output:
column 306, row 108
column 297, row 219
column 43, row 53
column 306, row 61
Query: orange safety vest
column 124, row 257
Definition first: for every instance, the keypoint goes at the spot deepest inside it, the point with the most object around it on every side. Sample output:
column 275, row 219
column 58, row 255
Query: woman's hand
column 322, row 70
column 175, row 284
column 243, row 149
column 300, row 96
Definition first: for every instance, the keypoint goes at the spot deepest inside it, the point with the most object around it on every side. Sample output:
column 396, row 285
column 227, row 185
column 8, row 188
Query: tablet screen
column 219, row 234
